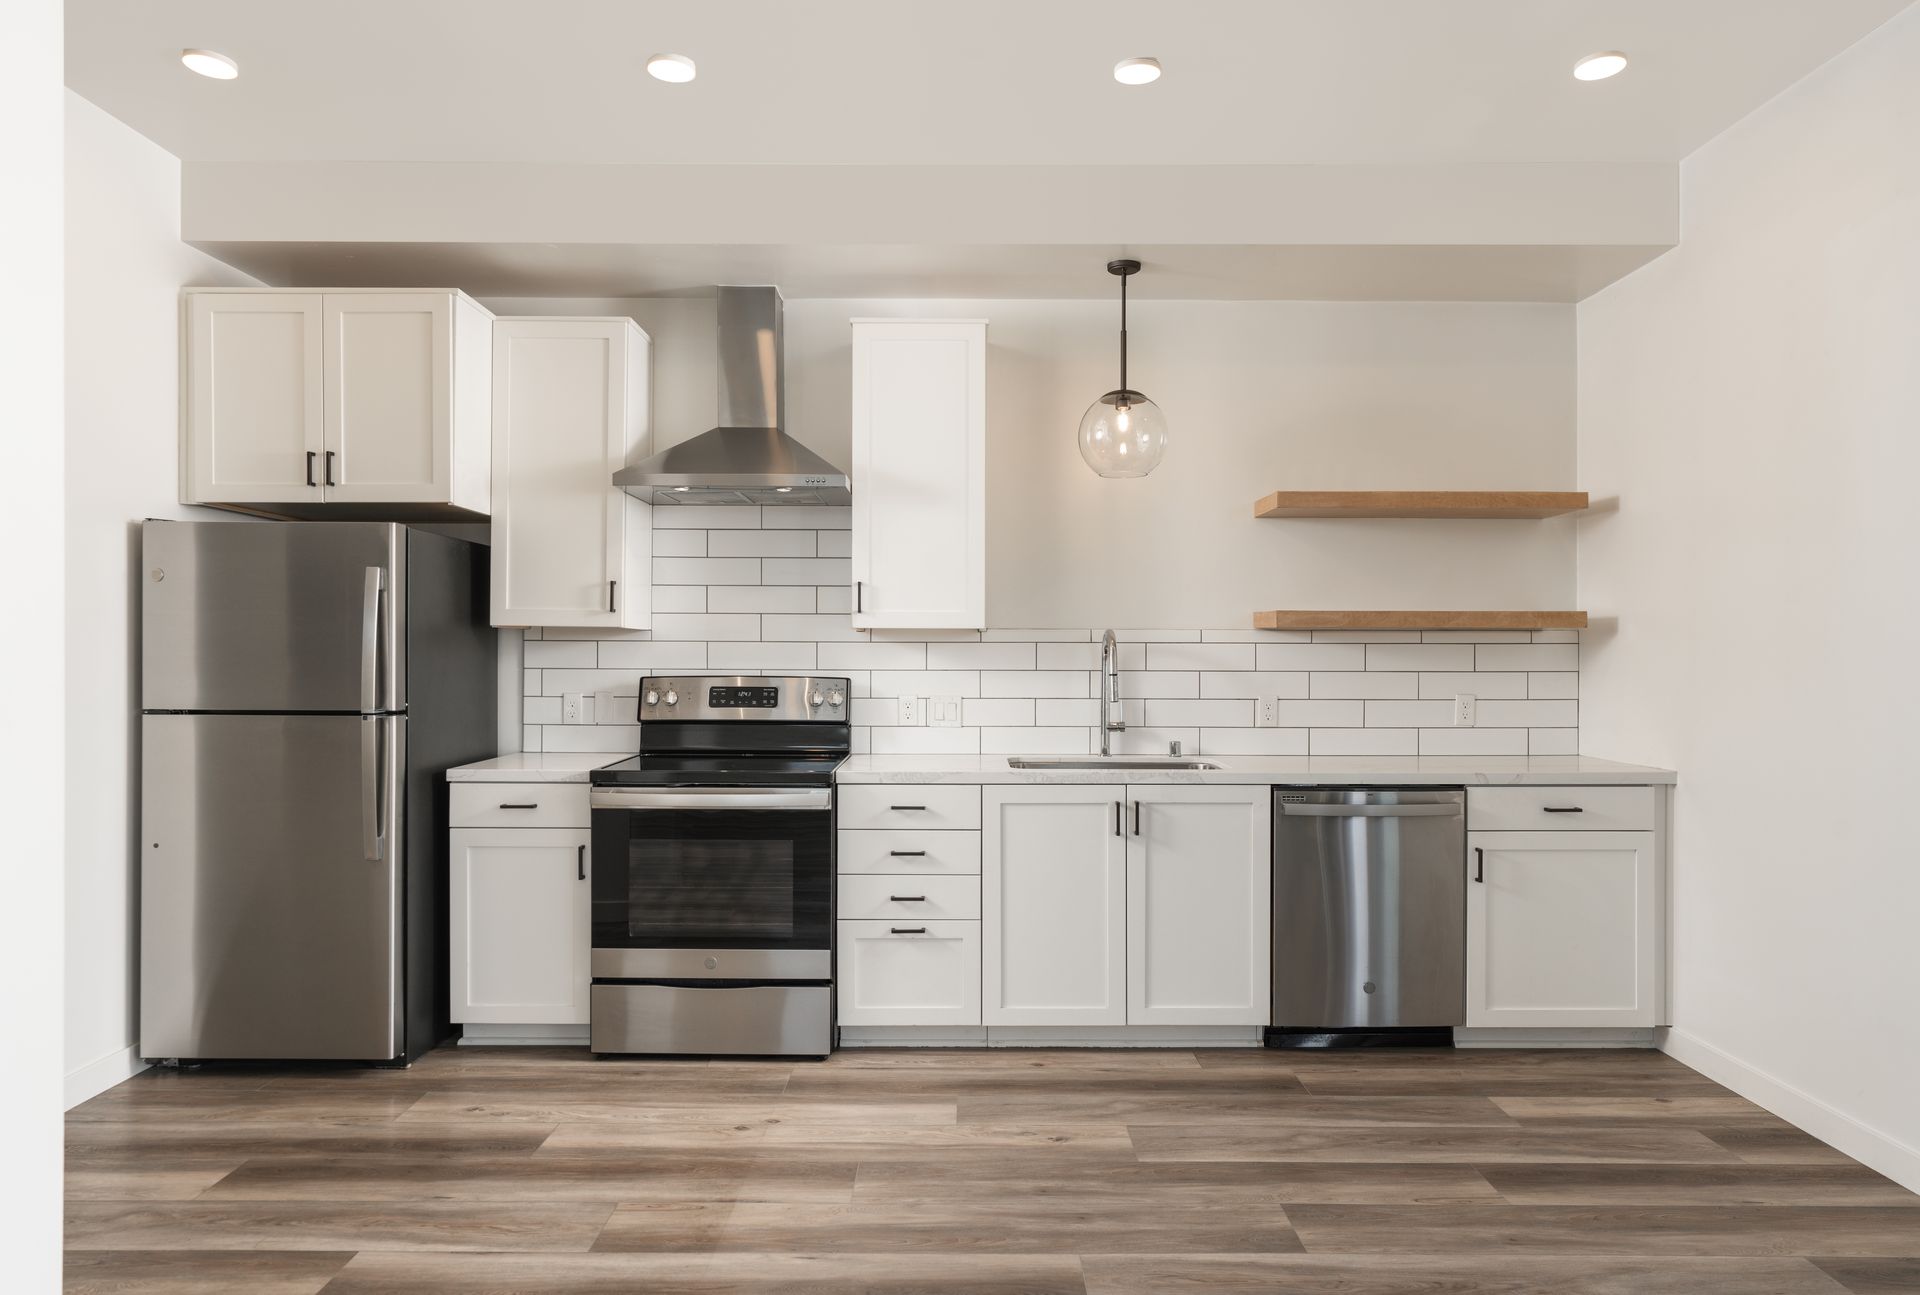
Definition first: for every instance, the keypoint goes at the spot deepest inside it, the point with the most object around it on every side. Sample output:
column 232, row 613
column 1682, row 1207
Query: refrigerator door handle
column 370, row 639
column 373, row 844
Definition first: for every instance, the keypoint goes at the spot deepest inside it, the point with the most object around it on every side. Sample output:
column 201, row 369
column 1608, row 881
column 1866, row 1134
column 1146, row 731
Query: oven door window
column 712, row 879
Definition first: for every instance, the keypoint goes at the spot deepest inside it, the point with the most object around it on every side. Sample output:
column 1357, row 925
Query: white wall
column 1753, row 398
column 1260, row 396
column 125, row 266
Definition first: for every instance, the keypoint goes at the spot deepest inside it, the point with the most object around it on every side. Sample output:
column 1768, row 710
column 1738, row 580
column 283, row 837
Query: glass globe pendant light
column 1123, row 434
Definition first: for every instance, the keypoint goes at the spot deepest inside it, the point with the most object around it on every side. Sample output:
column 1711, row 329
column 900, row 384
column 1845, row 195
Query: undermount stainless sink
column 1104, row 762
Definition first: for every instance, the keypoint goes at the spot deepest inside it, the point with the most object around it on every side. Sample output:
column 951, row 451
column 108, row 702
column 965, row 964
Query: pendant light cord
column 1123, row 336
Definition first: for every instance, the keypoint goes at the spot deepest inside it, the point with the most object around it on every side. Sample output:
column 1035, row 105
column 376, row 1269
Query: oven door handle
column 709, row 798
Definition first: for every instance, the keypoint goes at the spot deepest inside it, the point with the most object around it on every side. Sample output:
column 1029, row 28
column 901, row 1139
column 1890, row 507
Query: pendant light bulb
column 1123, row 434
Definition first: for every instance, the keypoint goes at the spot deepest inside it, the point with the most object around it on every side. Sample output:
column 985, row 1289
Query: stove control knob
column 653, row 697
column 816, row 699
column 673, row 698
column 835, row 697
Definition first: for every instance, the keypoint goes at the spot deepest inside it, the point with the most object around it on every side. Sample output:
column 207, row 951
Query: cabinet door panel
column 1199, row 877
column 389, row 368
column 1054, row 906
column 1562, row 929
column 919, row 460
column 254, row 407
column 909, row 973
column 520, row 913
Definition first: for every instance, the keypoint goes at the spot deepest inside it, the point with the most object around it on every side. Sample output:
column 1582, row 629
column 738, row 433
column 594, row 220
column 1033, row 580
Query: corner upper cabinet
column 919, row 473
column 571, row 407
column 337, row 404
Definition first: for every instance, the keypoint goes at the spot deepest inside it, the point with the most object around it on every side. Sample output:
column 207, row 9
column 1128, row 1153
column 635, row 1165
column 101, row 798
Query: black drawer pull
column 908, row 854
column 583, row 864
column 907, row 899
column 898, row 809
column 908, row 930
column 532, row 804
column 1563, row 809
column 1479, row 865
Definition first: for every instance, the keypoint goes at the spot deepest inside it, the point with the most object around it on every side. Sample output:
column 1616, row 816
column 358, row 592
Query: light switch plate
column 943, row 712
column 1463, row 708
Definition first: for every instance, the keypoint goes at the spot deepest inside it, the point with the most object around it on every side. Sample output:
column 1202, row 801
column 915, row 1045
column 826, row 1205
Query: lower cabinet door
column 1199, row 881
column 1562, row 929
column 1054, row 905
column 909, row 972
column 520, row 912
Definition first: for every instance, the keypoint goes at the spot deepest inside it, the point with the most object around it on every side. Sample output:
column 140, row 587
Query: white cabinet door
column 1054, row 906
column 1562, row 929
column 389, row 407
column 1199, row 880
column 570, row 410
column 520, row 937
column 909, row 972
column 919, row 473
column 254, row 421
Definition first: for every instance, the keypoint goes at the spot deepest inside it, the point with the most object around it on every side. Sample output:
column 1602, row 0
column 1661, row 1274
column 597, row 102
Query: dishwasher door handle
column 1370, row 811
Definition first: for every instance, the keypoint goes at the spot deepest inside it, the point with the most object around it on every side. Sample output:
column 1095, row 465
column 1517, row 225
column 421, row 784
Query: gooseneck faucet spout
column 1110, row 714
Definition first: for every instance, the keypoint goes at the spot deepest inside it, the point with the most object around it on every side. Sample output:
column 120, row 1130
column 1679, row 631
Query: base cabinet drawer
column 942, row 853
column 1560, row 809
column 910, row 806
column 518, row 804
column 896, row 899
column 909, row 973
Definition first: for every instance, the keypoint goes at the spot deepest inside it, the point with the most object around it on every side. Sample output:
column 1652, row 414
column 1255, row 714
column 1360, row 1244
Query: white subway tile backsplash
column 926, row 741
column 1310, row 656
column 1361, row 685
column 1475, row 636
column 531, row 737
column 1067, row 712
column 1553, row 683
column 1068, row 656
column 980, row 656
column 1553, row 741
column 1253, row 683
column 834, row 598
column 706, row 571
column 873, row 656
column 1156, row 683
column 1446, row 687
column 997, row 712
column 705, row 517
column 1410, row 714
column 688, row 627
column 1036, row 741
column 529, row 682
column 590, row 737
column 1194, row 713
column 924, row 683
column 1322, row 714
column 874, row 711
column 760, row 544
column 1531, row 656
column 1472, row 741
column 543, row 653
column 788, row 599
column 1366, row 636
column 809, row 517
column 1256, row 636
column 1420, row 656
column 1253, row 741
column 1364, row 741
column 1556, row 636
column 761, row 658
column 1141, row 740
column 1529, row 714
column 540, row 710
column 1200, row 656
column 820, row 627
column 1034, row 683
column 650, row 657
column 1155, row 636
column 834, row 544
column 682, row 544
column 805, row 571
column 685, row 598
column 1038, row 636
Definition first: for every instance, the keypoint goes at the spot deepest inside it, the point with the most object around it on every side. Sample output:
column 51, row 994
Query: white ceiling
column 969, row 82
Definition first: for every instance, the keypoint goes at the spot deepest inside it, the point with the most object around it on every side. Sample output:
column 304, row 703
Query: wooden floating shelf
column 1335, row 620
column 1421, row 503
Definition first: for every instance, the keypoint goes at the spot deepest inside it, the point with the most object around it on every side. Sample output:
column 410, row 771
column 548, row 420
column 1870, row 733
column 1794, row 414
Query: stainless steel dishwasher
column 1369, row 915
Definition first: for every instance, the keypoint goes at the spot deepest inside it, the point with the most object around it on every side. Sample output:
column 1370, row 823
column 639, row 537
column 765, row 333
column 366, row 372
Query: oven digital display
column 763, row 698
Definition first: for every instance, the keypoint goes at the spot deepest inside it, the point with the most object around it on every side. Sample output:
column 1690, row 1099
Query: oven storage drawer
column 518, row 804
column 909, row 973
column 1560, row 809
column 731, row 1020
column 904, row 805
column 921, row 853
column 897, row 899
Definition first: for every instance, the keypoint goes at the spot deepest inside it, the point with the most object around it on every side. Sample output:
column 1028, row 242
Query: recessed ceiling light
column 1598, row 67
column 670, row 67
column 208, row 63
column 1136, row 71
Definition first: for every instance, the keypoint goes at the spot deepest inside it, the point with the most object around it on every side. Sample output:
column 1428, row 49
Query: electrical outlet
column 911, row 709
column 1268, row 713
column 1463, row 707
column 943, row 712
column 576, row 708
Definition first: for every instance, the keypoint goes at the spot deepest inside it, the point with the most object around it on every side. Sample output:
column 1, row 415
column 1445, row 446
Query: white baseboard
column 1504, row 1037
column 525, row 1036
column 913, row 1036
column 1050, row 1036
column 102, row 1073
column 1837, row 1129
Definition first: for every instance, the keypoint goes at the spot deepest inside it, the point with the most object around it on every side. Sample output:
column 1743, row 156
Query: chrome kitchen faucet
column 1110, row 721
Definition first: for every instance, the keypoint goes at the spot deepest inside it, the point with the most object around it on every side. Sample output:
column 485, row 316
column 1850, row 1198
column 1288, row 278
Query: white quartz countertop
column 535, row 766
column 1542, row 770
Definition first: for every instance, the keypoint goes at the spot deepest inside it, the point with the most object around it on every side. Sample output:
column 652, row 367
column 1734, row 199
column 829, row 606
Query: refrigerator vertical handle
column 370, row 639
column 372, row 776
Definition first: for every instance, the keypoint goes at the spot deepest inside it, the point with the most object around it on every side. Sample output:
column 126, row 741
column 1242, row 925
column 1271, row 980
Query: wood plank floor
column 1109, row 1172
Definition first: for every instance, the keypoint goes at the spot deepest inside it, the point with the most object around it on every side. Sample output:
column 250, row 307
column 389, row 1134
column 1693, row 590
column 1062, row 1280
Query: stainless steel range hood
column 747, row 459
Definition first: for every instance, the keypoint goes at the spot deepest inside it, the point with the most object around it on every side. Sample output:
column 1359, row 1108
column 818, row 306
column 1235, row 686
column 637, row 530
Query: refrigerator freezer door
column 282, row 616
column 268, row 927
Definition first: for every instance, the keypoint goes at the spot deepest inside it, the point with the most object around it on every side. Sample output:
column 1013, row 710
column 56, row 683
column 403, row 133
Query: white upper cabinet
column 366, row 399
column 1199, row 882
column 1562, row 929
column 919, row 473
column 570, row 408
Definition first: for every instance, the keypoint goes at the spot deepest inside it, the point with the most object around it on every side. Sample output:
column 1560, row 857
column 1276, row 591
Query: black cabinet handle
column 613, row 597
column 907, row 930
column 330, row 480
column 1117, row 830
column 583, row 863
column 311, row 456
column 907, row 854
column 907, row 899
column 1563, row 809
column 516, row 805
column 860, row 596
column 1479, row 864
column 903, row 808
column 1136, row 818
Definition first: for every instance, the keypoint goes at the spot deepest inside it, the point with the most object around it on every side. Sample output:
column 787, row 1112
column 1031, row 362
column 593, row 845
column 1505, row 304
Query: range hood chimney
column 748, row 459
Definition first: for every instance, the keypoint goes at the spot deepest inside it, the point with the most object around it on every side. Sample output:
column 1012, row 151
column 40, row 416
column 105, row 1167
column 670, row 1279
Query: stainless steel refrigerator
column 304, row 687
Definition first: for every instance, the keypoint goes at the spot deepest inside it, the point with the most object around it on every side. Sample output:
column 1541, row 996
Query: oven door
column 712, row 883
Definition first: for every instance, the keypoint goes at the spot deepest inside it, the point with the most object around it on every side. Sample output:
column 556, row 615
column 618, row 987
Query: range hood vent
column 748, row 459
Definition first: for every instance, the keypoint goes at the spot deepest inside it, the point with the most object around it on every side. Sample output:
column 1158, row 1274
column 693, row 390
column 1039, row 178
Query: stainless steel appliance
column 304, row 685
column 713, row 869
column 748, row 458
column 1369, row 915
